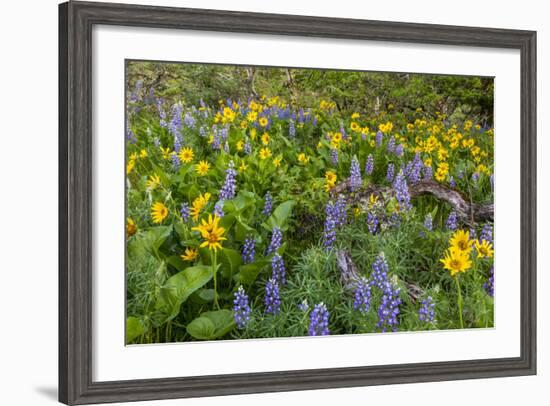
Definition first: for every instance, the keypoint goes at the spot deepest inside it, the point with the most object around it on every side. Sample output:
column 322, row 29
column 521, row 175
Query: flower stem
column 459, row 302
column 214, row 269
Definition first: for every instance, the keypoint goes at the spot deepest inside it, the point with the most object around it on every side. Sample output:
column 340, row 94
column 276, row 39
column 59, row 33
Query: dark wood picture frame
column 76, row 20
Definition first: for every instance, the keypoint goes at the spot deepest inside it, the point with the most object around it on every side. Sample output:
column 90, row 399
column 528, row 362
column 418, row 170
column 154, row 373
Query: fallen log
column 468, row 211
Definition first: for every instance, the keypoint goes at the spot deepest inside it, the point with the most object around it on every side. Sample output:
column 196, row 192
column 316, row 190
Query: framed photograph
column 260, row 202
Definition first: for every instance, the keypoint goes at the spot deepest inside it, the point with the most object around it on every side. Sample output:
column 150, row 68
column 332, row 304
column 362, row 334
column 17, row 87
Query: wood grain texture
column 76, row 20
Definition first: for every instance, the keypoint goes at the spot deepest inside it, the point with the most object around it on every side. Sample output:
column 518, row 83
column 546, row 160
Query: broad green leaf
column 280, row 215
column 231, row 260
column 153, row 238
column 211, row 325
column 177, row 288
column 134, row 328
column 203, row 296
column 249, row 272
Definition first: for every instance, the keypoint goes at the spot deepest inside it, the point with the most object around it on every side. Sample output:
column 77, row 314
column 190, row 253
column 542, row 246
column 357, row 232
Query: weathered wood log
column 350, row 276
column 467, row 211
column 348, row 271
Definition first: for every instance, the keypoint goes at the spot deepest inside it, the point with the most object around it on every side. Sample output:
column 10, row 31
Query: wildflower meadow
column 272, row 202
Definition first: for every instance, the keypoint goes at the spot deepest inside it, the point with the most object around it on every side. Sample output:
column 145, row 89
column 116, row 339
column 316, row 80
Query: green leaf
column 280, row 215
column 134, row 329
column 249, row 272
column 177, row 288
column 203, row 296
column 211, row 325
column 231, row 260
column 153, row 238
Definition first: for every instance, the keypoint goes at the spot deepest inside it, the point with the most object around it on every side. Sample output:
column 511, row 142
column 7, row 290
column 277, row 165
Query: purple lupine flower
column 486, row 233
column 247, row 147
column 291, row 129
column 379, row 137
column 391, row 145
column 339, row 211
column 175, row 161
column 369, row 166
column 426, row 313
column 343, row 132
column 189, row 120
column 379, row 275
column 249, row 249
column 355, row 174
column 303, row 306
column 399, row 150
column 278, row 272
column 334, row 156
column 389, row 307
column 218, row 209
column 318, row 320
column 175, row 126
column 202, row 132
column 268, row 204
column 184, row 211
column 451, row 222
column 428, row 173
column 217, row 141
column 362, row 296
column 428, row 222
column 276, row 241
column 489, row 286
column 390, row 172
column 414, row 168
column 473, row 234
column 162, row 114
column 272, row 299
column 452, row 182
column 475, row 178
column 230, row 185
column 329, row 233
column 402, row 191
column 241, row 308
column 372, row 222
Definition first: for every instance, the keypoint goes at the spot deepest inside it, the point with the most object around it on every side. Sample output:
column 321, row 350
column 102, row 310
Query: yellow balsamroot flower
column 244, row 124
column 263, row 121
column 357, row 212
column 159, row 212
column 428, row 161
column 211, row 232
column 468, row 125
column 252, row 116
column 243, row 167
column 202, row 168
column 134, row 156
column 355, row 115
column 386, row 127
column 253, row 134
column 198, row 204
column 461, row 241
column 373, row 199
column 410, row 126
column 130, row 166
column 265, row 138
column 166, row 153
column 228, row 115
column 456, row 261
column 355, row 127
column 240, row 145
column 153, row 182
column 253, row 105
column 303, row 158
column 265, row 153
column 277, row 161
column 330, row 176
column 190, row 254
column 131, row 227
column 186, row 155
column 442, row 154
column 484, row 249
column 143, row 153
